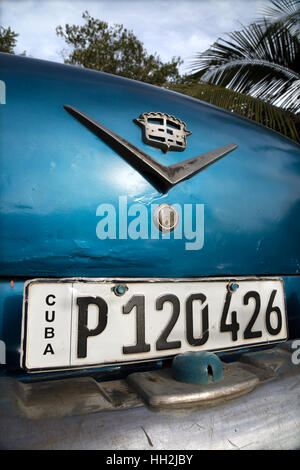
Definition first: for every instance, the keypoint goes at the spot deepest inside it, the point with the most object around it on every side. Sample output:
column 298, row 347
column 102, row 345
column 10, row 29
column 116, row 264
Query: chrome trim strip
column 161, row 176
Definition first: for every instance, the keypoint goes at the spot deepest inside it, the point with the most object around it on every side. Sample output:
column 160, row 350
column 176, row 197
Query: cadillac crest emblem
column 163, row 131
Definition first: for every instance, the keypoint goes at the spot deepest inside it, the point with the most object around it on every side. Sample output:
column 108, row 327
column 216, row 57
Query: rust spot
column 153, row 379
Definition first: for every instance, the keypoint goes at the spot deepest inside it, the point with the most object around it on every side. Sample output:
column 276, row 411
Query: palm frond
column 286, row 12
column 261, row 79
column 253, row 42
column 256, row 60
column 252, row 108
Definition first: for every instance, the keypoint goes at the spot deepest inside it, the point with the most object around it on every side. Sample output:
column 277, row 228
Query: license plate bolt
column 232, row 287
column 120, row 289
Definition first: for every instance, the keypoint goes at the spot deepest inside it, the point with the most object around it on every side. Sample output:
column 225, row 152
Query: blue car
column 150, row 258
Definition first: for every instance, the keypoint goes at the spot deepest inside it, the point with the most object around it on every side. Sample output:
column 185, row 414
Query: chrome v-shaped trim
column 161, row 176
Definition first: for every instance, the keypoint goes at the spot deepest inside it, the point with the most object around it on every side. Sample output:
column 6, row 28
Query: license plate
column 72, row 323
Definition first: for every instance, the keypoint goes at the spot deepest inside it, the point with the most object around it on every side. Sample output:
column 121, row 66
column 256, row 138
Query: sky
column 168, row 27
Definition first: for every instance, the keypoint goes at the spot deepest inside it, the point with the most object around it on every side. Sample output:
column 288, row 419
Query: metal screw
column 120, row 289
column 232, row 286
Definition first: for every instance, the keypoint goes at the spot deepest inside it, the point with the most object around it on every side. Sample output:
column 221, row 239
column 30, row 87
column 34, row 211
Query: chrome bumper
column 84, row 414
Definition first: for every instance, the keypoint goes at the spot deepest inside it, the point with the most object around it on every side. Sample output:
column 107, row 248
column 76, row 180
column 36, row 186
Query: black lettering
column 49, row 333
column 83, row 331
column 232, row 327
column 189, row 320
column 249, row 333
column 137, row 302
column 48, row 349
column 48, row 318
column 271, row 309
column 48, row 299
column 162, row 343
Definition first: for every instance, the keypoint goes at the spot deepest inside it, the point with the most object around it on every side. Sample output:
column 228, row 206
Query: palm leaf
column 286, row 12
column 252, row 108
column 257, row 60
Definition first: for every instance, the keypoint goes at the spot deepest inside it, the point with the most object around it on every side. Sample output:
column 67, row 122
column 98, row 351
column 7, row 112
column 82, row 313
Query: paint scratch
column 148, row 437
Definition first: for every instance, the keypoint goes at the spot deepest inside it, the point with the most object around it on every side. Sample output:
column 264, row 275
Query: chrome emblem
column 161, row 176
column 163, row 131
column 165, row 218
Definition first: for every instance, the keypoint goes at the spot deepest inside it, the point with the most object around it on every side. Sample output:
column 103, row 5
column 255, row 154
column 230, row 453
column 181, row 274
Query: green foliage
column 255, row 109
column 8, row 40
column 116, row 50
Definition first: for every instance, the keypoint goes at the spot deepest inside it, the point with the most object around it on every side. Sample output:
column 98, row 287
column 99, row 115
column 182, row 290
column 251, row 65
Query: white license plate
column 83, row 323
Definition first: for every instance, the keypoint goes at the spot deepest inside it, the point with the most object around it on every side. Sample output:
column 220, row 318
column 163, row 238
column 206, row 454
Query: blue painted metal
column 197, row 367
column 55, row 173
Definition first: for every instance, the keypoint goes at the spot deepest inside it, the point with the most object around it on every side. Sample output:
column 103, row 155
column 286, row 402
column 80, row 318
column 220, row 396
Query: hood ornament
column 160, row 176
column 163, row 131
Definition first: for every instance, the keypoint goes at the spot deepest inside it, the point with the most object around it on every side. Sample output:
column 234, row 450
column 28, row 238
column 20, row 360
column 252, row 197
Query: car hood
column 58, row 178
